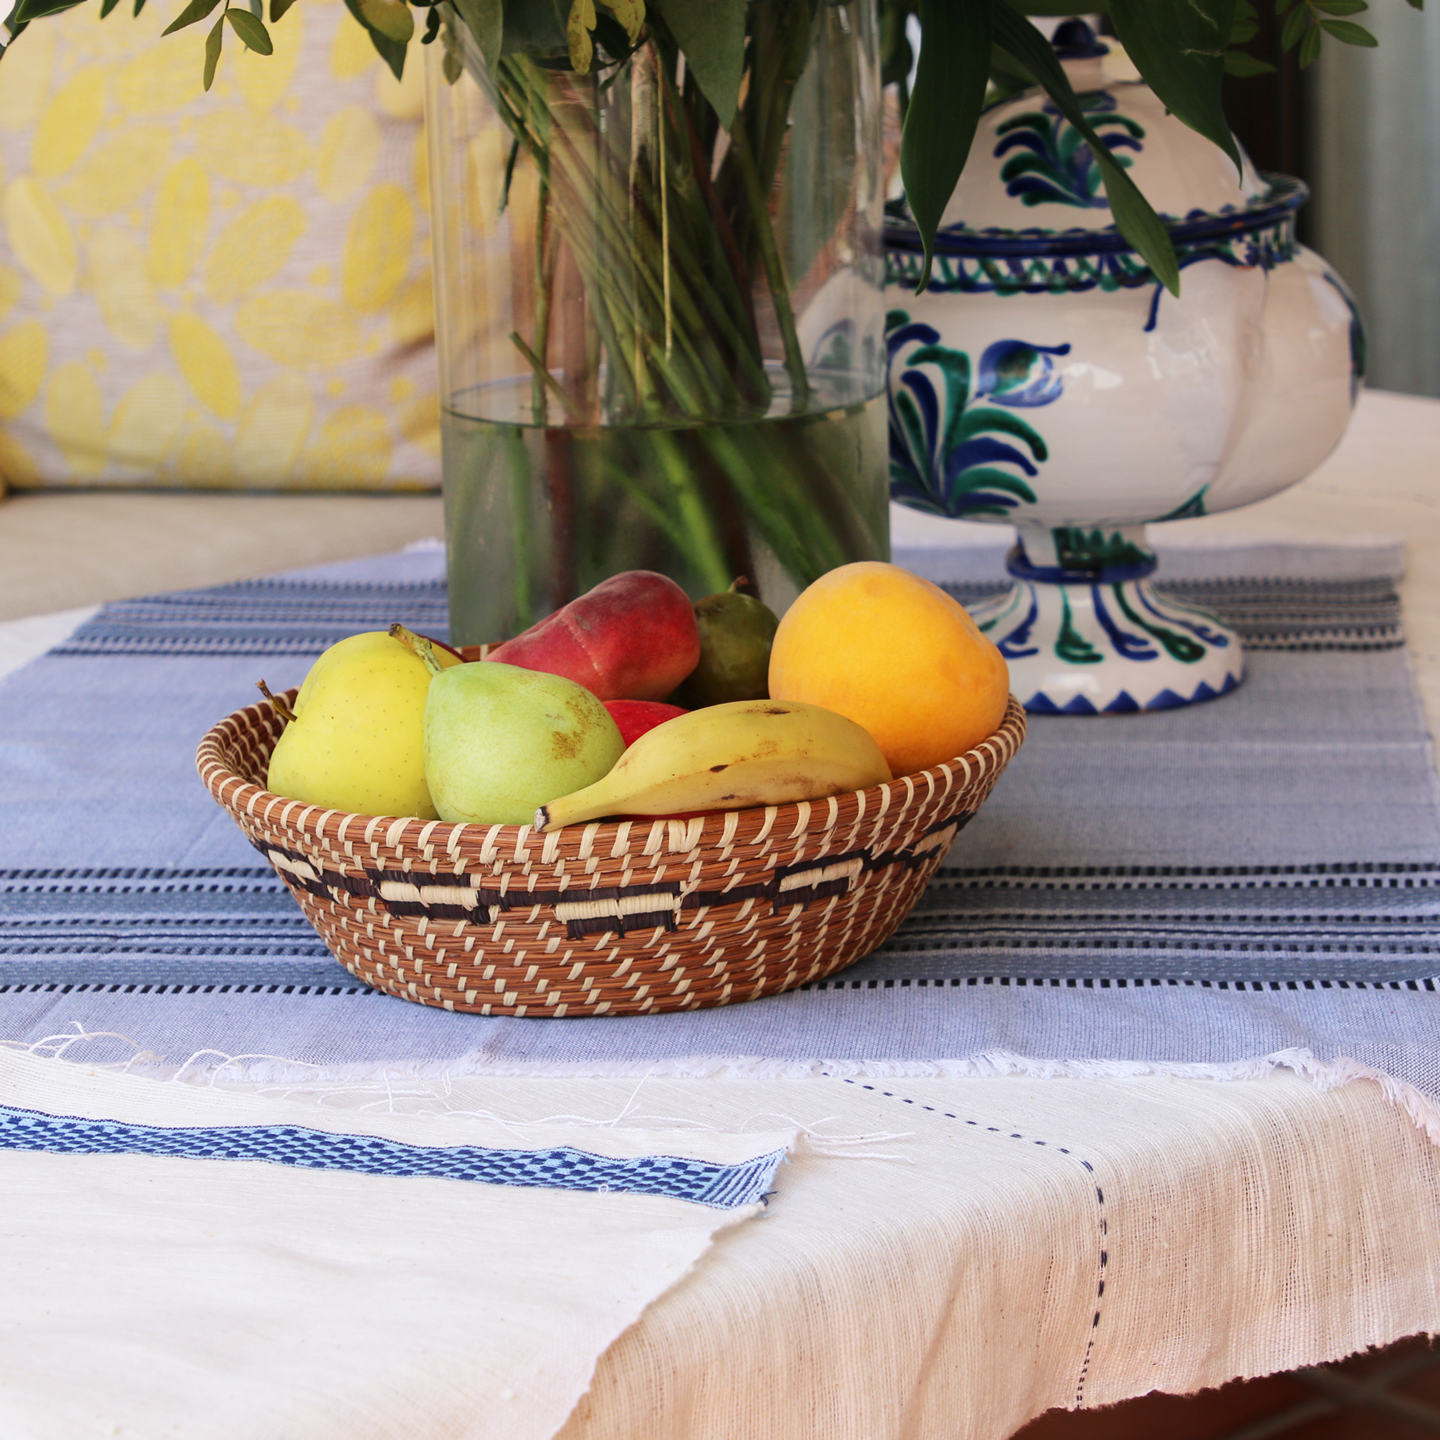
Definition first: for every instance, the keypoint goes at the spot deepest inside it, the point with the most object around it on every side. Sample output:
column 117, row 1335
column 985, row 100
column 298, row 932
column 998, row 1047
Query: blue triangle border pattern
column 1126, row 704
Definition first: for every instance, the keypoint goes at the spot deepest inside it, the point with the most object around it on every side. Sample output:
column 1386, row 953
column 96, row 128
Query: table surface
column 1236, row 1207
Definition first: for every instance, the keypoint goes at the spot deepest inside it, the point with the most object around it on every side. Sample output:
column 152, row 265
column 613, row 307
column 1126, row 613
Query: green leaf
column 392, row 52
column 278, row 8
column 391, row 18
column 1050, row 9
column 1339, row 7
column 945, row 105
column 195, row 10
column 1179, row 47
column 250, row 30
column 213, row 42
column 712, row 35
column 1310, row 47
column 28, row 10
column 1348, row 32
column 1134, row 216
column 485, row 20
column 535, row 27
column 1242, row 66
column 1246, row 25
column 1295, row 26
column 106, row 6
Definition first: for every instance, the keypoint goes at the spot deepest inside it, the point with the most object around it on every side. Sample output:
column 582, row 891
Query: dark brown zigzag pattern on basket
column 616, row 917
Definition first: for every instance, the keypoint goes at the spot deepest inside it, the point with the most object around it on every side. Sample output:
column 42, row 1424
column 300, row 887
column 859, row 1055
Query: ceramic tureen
column 1046, row 379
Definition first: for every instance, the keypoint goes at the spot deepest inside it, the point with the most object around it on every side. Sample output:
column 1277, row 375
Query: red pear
column 633, row 637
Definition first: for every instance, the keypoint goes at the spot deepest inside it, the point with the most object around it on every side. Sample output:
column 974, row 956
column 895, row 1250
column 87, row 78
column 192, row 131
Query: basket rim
column 243, row 797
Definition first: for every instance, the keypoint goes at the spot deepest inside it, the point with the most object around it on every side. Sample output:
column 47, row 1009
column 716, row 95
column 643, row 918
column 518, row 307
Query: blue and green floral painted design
column 947, row 454
column 1055, row 166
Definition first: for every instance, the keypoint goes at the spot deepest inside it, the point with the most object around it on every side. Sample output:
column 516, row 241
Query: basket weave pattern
column 608, row 918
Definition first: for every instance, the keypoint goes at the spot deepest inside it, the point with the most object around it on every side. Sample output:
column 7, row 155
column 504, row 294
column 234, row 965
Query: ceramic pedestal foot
column 1085, row 633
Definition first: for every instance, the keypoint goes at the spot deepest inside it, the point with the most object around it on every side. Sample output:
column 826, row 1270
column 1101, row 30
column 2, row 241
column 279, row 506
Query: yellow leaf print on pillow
column 163, row 77
column 273, row 429
column 75, row 418
column 254, row 246
column 68, row 123
column 352, row 450
column 378, row 248
column 251, row 149
column 349, row 148
column 40, row 236
column 24, row 354
column 420, row 423
column 122, row 288
column 412, row 315
column 117, row 172
column 17, row 465
column 207, row 365
column 264, row 79
column 182, row 216
column 205, row 460
column 352, row 53
column 23, row 87
column 146, row 423
column 298, row 329
column 9, row 289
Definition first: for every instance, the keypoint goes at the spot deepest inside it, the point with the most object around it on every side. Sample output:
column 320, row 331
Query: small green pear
column 357, row 740
column 735, row 635
column 501, row 741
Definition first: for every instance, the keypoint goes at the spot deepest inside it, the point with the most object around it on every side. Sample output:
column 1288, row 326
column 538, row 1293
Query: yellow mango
column 895, row 654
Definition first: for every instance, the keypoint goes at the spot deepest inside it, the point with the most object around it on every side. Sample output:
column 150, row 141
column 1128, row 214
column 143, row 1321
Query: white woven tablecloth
column 951, row 1257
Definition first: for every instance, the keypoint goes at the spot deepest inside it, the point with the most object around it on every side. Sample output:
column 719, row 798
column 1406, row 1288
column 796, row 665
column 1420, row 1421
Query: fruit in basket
column 735, row 634
column 632, row 637
column 727, row 757
column 500, row 740
column 897, row 655
column 356, row 741
column 636, row 717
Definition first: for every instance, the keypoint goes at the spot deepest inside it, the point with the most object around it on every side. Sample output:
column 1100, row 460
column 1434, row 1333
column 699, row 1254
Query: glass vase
column 660, row 339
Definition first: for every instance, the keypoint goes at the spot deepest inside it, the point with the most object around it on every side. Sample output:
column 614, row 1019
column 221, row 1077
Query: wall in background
column 1374, row 129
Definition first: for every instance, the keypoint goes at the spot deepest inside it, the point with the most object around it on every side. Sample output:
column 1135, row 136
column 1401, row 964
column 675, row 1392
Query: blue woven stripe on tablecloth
column 295, row 617
column 259, row 617
column 704, row 1182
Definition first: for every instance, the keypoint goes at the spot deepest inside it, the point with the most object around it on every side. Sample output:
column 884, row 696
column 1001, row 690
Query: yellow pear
column 357, row 741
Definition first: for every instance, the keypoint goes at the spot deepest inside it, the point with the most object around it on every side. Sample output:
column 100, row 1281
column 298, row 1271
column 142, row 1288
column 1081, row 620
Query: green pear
column 501, row 741
column 357, row 740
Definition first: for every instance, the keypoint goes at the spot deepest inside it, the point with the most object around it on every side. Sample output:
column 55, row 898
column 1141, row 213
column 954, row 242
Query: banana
column 726, row 757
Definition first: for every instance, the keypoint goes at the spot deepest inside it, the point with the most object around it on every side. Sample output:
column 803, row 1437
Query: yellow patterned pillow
column 228, row 290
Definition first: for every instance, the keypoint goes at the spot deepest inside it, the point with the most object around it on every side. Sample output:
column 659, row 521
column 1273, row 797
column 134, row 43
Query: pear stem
column 419, row 645
column 738, row 583
column 286, row 713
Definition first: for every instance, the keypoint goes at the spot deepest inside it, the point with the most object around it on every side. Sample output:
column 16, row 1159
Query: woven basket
column 608, row 918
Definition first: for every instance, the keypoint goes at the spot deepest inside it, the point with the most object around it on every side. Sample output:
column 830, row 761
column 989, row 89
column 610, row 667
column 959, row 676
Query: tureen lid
column 1031, row 185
